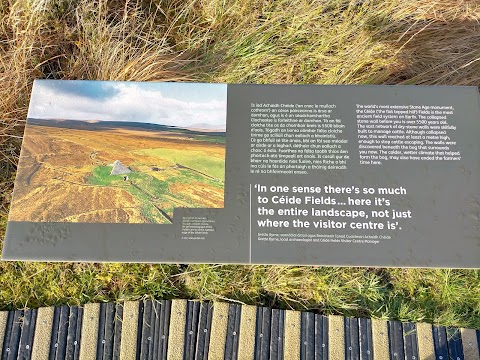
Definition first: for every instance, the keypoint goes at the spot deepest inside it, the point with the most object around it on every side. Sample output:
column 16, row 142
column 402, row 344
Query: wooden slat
column 216, row 345
column 218, row 333
column 203, row 335
column 43, row 333
column 470, row 344
column 277, row 334
column 128, row 341
column 233, row 329
column 292, row 335
column 395, row 338
column 336, row 337
column 176, row 337
column 262, row 333
column 426, row 348
column 410, row 340
column 88, row 344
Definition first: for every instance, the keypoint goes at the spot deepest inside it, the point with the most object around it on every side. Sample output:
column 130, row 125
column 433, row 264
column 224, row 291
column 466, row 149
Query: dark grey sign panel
column 297, row 174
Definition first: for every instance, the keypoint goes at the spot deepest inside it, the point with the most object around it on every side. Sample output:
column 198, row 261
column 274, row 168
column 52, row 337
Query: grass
column 251, row 41
column 146, row 188
column 198, row 160
column 150, row 191
column 213, row 139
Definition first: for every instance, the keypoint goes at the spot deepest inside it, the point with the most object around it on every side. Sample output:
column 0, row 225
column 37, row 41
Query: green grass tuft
column 145, row 190
column 197, row 160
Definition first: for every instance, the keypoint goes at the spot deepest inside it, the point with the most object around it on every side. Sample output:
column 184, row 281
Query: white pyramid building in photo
column 119, row 168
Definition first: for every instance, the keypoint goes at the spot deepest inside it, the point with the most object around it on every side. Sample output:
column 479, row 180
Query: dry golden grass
column 283, row 41
column 56, row 165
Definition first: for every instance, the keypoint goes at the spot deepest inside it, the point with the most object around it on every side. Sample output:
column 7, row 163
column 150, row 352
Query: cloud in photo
column 175, row 104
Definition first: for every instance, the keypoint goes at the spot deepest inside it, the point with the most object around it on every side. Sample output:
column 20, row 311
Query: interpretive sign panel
column 261, row 174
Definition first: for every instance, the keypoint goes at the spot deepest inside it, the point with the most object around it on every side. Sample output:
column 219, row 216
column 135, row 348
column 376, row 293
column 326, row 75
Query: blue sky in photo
column 176, row 104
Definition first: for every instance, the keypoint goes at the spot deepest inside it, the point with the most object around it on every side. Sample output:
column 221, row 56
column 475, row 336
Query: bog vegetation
column 168, row 168
column 284, row 41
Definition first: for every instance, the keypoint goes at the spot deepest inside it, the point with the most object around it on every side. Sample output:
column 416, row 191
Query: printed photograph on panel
column 120, row 152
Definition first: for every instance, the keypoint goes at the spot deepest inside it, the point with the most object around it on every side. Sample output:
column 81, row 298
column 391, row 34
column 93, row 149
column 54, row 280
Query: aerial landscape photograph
column 112, row 152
